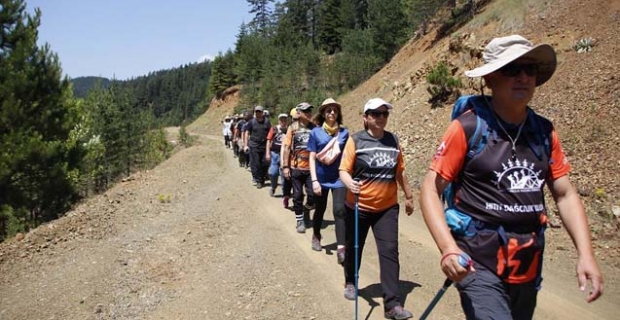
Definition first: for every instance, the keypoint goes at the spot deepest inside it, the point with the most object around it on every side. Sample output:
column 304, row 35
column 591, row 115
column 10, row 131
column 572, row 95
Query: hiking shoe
column 349, row 292
column 260, row 185
column 272, row 192
column 398, row 313
column 316, row 243
column 285, row 202
column 340, row 255
column 301, row 228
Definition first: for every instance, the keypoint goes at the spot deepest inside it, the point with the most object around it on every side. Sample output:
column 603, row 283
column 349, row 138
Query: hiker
column 244, row 159
column 371, row 167
column 233, row 129
column 296, row 165
column 255, row 138
column 326, row 140
column 272, row 155
column 226, row 131
column 498, row 183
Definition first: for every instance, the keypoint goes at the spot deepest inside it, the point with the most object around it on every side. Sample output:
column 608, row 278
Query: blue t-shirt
column 328, row 175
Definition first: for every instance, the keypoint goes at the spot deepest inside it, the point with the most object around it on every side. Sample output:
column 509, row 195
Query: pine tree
column 388, row 24
column 330, row 26
column 260, row 22
column 36, row 118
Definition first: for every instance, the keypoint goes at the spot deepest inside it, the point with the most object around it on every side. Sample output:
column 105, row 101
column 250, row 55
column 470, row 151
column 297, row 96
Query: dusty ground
column 192, row 239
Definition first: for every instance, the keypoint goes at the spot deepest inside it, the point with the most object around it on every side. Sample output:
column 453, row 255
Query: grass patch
column 510, row 14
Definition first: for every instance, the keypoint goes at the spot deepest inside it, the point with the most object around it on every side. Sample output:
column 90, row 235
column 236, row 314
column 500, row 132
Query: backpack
column 294, row 148
column 459, row 222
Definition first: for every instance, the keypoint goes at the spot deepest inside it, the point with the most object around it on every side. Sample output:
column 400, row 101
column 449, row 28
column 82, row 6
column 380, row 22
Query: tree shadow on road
column 369, row 293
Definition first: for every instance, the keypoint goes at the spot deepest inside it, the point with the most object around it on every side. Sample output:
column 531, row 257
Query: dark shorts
column 485, row 296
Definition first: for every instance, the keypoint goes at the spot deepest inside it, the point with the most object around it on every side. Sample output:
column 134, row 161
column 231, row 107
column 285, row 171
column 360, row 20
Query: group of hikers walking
column 482, row 198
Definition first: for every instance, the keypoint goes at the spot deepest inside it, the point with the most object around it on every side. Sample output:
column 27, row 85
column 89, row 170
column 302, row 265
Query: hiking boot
column 340, row 255
column 398, row 313
column 301, row 228
column 285, row 202
column 272, row 192
column 316, row 243
column 349, row 292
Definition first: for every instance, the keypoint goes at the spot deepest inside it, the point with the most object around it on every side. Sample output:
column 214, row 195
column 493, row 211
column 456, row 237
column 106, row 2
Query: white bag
column 330, row 153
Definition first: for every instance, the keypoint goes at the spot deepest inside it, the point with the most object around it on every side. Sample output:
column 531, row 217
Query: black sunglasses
column 377, row 114
column 330, row 110
column 513, row 69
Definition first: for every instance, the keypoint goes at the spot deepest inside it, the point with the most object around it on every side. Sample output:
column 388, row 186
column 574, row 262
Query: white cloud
column 205, row 58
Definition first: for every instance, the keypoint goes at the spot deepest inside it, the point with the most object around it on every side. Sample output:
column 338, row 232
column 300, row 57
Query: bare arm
column 574, row 217
column 434, row 217
column 316, row 186
column 402, row 180
column 285, row 155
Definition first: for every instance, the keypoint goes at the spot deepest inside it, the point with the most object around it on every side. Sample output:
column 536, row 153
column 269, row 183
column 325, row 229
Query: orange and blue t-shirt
column 375, row 162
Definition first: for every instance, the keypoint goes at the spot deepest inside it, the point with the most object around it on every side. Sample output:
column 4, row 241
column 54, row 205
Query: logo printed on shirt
column 440, row 150
column 521, row 175
column 382, row 160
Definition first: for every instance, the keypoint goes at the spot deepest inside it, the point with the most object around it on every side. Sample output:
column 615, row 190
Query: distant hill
column 82, row 85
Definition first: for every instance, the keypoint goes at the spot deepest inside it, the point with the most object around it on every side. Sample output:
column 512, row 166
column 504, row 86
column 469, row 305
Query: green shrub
column 442, row 85
column 584, row 45
column 185, row 139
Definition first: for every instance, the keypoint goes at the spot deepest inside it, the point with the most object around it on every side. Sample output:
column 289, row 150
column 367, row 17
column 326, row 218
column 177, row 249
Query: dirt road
column 192, row 239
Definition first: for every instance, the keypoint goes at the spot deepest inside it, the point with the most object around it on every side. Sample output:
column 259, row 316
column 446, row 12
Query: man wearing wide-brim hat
column 498, row 185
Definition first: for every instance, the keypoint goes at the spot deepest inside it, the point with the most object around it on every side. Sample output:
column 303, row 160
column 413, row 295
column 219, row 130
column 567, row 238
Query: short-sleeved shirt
column 328, row 175
column 257, row 133
column 296, row 139
column 226, row 128
column 376, row 162
column 494, row 186
column 276, row 136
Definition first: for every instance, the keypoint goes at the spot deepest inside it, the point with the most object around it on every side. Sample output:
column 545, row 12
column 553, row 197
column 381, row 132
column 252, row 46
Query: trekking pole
column 464, row 261
column 356, row 245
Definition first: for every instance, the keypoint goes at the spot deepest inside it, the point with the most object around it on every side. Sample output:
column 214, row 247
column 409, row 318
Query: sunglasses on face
column 513, row 69
column 330, row 110
column 377, row 114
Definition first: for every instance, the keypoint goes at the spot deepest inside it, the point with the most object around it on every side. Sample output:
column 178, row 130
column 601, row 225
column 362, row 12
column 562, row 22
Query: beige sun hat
column 504, row 50
column 329, row 102
column 294, row 113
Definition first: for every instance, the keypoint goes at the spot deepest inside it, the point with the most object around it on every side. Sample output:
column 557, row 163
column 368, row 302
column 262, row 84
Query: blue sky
column 130, row 38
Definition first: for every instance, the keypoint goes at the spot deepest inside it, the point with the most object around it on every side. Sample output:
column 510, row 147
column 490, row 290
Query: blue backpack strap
column 458, row 222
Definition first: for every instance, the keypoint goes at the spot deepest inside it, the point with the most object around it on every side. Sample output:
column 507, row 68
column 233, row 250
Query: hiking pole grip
column 464, row 261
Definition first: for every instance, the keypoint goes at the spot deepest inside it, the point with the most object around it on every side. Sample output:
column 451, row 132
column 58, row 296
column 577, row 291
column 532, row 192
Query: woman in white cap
column 498, row 189
column 325, row 139
column 372, row 167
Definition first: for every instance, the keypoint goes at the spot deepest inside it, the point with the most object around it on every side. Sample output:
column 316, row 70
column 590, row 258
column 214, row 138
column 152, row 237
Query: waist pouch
column 513, row 254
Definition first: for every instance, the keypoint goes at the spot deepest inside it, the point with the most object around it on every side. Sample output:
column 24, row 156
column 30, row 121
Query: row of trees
column 309, row 49
column 58, row 148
